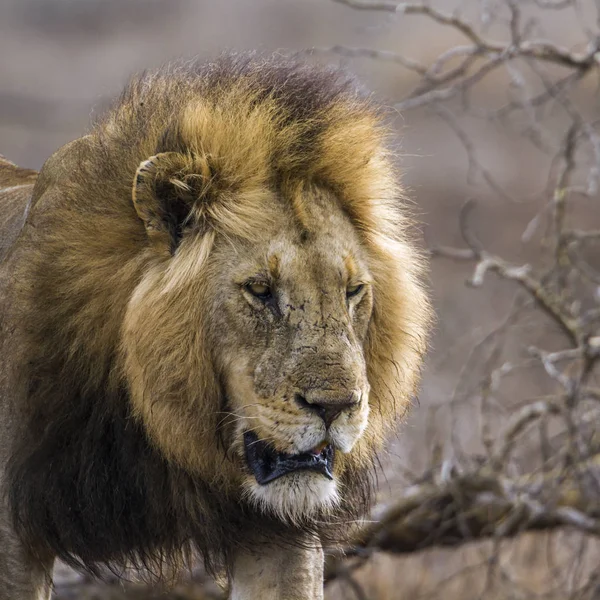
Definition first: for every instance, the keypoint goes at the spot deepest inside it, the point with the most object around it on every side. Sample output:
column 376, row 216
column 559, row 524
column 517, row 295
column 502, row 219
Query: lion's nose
column 327, row 406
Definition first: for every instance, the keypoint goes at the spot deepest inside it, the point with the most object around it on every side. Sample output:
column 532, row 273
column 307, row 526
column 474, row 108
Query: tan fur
column 160, row 307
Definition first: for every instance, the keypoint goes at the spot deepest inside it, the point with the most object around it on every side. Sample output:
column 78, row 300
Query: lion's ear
column 165, row 189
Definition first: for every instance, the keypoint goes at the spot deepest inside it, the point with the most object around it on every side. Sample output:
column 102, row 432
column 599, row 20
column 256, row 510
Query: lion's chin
column 291, row 486
column 295, row 496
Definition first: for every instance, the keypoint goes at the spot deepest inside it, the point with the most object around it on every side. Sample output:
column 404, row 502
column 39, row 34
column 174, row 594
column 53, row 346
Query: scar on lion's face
column 291, row 324
column 300, row 306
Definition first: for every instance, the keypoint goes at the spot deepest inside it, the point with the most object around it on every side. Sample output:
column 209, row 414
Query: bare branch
column 430, row 514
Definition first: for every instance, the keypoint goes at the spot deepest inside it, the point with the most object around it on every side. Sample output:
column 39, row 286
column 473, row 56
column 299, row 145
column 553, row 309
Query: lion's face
column 290, row 319
column 285, row 313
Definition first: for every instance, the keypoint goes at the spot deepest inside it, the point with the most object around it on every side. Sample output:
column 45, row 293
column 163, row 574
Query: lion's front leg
column 21, row 577
column 278, row 573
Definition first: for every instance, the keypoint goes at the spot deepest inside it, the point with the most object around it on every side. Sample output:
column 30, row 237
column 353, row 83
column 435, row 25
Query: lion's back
column 16, row 186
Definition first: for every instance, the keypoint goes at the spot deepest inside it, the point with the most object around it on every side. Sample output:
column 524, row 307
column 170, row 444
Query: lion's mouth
column 267, row 464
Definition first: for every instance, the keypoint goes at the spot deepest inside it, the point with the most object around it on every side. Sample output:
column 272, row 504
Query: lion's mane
column 87, row 482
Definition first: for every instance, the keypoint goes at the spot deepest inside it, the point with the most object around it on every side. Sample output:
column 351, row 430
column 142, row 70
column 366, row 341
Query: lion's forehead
column 318, row 248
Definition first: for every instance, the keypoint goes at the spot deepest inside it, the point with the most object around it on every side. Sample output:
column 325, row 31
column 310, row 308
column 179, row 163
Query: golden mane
column 96, row 480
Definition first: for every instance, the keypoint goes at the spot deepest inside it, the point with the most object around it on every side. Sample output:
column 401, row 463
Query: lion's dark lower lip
column 267, row 464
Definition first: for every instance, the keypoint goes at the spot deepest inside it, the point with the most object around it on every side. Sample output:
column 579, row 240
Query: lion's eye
column 354, row 290
column 259, row 290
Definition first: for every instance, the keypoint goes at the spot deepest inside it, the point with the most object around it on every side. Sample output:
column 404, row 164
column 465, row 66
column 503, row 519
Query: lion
column 213, row 314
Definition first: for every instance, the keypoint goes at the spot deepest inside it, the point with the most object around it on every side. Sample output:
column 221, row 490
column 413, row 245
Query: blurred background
column 495, row 106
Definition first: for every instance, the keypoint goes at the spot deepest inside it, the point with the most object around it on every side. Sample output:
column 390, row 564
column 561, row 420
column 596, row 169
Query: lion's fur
column 96, row 477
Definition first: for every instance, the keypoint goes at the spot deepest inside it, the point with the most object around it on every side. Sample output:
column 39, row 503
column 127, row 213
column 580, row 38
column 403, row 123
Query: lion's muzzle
column 267, row 464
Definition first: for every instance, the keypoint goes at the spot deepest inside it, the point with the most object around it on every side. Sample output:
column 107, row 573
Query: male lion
column 211, row 315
